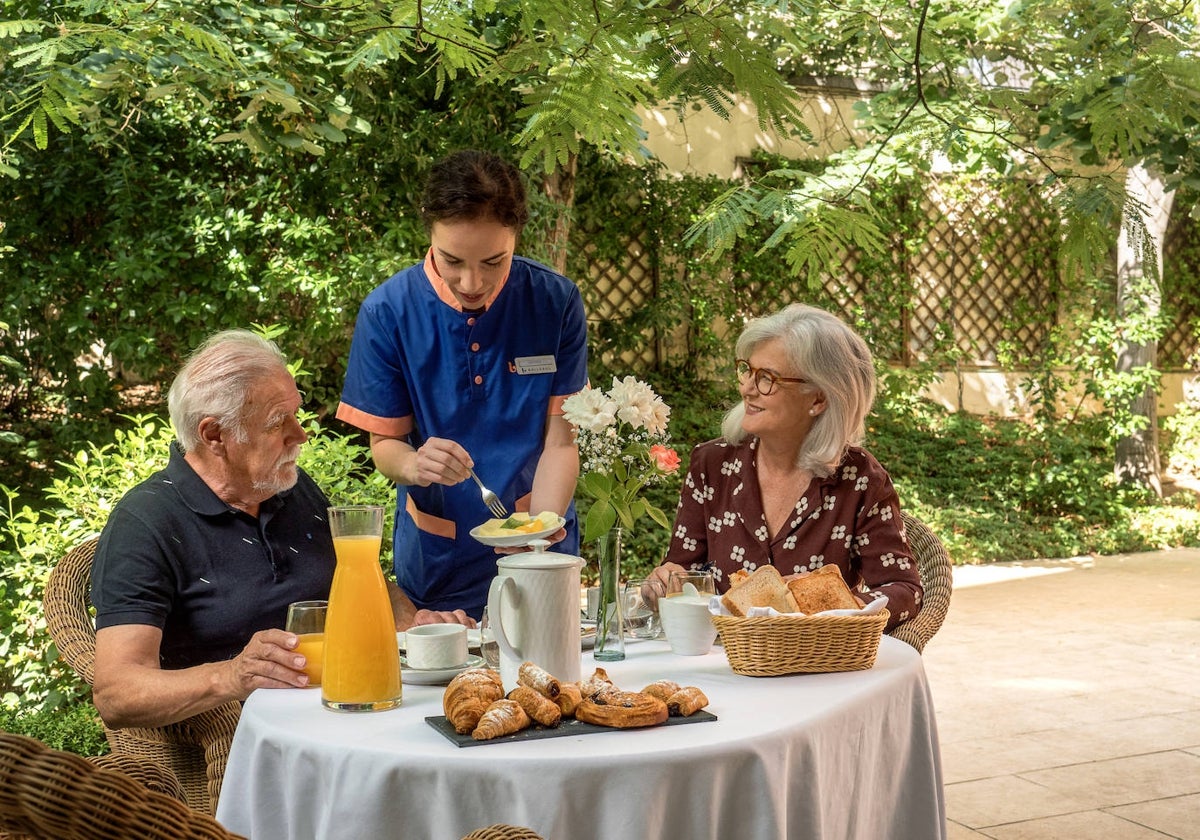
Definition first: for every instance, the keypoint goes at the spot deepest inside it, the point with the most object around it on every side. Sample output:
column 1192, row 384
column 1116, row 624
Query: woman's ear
column 819, row 405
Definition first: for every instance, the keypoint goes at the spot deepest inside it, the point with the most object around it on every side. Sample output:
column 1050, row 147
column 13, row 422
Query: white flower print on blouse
column 737, row 554
column 761, row 534
column 849, row 472
column 714, row 524
column 887, row 513
column 731, row 467
column 839, row 532
column 861, row 484
column 790, row 542
column 815, row 562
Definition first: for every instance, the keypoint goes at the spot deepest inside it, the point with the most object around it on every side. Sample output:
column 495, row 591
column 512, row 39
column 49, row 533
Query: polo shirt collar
column 197, row 495
column 443, row 291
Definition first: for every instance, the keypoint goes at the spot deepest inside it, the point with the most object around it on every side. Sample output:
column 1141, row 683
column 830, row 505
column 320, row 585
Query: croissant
column 662, row 689
column 542, row 709
column 468, row 695
column 686, row 702
column 501, row 718
column 596, row 682
column 539, row 679
column 568, row 699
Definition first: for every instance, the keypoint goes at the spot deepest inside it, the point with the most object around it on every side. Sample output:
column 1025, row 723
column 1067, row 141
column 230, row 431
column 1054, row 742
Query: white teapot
column 533, row 607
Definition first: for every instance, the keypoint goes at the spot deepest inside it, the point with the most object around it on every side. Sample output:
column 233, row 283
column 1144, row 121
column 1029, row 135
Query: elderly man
column 197, row 564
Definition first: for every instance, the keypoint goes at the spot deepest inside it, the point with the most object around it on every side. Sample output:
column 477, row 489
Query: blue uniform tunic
column 421, row 367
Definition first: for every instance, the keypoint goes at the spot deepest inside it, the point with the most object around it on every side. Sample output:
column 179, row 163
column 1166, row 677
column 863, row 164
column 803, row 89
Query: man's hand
column 269, row 660
column 443, row 617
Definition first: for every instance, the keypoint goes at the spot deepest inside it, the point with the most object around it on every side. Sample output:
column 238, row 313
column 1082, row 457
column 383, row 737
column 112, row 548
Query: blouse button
column 478, row 380
column 475, row 347
column 471, row 321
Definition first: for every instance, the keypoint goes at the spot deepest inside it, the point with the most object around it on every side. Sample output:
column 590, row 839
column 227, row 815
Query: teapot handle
column 501, row 584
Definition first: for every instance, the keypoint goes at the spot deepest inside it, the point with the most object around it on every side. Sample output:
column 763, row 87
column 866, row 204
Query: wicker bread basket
column 771, row 646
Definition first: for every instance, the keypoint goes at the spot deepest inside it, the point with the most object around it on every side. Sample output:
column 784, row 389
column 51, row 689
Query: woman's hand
column 442, row 461
column 662, row 574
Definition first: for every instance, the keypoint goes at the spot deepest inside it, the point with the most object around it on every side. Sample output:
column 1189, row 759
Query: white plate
column 515, row 540
column 435, row 676
column 473, row 638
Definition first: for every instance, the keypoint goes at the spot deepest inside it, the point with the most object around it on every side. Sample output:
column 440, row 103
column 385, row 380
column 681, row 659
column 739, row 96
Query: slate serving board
column 567, row 728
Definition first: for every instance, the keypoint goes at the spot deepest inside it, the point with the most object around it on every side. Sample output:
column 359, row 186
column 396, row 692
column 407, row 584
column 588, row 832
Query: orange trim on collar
column 443, row 291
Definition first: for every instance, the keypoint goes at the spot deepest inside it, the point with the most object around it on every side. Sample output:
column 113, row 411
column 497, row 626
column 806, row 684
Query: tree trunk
column 559, row 187
column 1139, row 296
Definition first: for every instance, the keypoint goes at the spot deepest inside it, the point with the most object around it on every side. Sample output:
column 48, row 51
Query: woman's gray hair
column 835, row 360
column 216, row 381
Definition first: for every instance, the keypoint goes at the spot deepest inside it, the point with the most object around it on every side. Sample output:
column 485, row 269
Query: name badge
column 527, row 365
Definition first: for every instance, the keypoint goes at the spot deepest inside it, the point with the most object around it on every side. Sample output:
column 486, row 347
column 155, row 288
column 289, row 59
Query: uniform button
column 478, row 380
column 475, row 347
column 471, row 321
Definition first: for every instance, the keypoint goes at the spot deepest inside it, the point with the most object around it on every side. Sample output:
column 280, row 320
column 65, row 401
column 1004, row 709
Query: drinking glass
column 701, row 579
column 489, row 648
column 641, row 608
column 307, row 620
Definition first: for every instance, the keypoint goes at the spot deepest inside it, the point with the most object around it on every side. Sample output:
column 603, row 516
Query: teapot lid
column 538, row 558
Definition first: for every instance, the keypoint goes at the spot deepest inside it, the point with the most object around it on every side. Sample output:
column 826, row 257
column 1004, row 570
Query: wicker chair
column 936, row 577
column 500, row 831
column 49, row 794
column 195, row 749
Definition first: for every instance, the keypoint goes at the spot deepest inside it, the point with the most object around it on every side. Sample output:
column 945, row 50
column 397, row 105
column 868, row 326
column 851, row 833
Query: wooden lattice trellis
column 977, row 286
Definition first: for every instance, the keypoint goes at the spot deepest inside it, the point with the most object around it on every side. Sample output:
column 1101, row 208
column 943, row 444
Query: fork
column 489, row 498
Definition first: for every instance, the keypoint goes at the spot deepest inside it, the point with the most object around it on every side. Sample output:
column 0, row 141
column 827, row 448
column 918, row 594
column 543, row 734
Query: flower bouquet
column 622, row 438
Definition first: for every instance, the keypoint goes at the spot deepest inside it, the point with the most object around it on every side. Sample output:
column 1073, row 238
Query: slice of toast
column 822, row 590
column 764, row 588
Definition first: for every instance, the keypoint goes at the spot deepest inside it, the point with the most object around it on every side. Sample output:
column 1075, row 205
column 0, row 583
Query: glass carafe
column 362, row 659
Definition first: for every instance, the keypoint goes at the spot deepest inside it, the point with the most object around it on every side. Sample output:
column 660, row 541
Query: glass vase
column 610, row 623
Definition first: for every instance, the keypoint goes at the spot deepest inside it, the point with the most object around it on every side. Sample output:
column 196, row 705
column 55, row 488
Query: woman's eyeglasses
column 765, row 381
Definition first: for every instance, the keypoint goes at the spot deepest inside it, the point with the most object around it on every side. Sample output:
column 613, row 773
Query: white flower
column 591, row 409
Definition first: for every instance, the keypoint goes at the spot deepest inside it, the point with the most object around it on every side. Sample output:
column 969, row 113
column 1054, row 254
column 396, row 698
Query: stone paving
column 1068, row 699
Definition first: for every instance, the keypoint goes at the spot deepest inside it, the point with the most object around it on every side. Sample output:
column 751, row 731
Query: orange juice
column 362, row 659
column 312, row 647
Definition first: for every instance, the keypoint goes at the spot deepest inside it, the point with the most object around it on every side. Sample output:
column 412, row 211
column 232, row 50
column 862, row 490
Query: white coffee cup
column 688, row 624
column 434, row 646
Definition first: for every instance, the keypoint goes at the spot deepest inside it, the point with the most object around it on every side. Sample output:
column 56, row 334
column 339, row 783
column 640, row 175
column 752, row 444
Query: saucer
column 435, row 676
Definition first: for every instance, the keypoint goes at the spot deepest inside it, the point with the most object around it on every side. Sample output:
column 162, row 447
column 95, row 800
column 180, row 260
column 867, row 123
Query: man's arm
column 131, row 689
column 407, row 614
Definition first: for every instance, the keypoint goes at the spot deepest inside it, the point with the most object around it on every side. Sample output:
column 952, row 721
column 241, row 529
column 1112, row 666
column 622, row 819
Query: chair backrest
column 937, row 578
column 501, row 831
column 50, row 794
column 195, row 749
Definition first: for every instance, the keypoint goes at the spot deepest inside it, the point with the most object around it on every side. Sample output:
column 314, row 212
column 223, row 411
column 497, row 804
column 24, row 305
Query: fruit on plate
column 520, row 523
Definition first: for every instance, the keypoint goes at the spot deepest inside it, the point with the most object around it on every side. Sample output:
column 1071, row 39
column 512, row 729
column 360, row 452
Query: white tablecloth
column 811, row 757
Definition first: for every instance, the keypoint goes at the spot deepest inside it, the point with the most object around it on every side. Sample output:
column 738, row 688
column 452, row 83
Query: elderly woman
column 786, row 484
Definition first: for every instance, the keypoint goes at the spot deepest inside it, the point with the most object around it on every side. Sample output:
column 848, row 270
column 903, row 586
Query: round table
column 816, row 756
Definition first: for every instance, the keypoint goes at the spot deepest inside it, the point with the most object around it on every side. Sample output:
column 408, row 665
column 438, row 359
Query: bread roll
column 764, row 588
column 662, row 689
column 539, row 679
column 822, row 590
column 568, row 698
column 686, row 702
column 540, row 708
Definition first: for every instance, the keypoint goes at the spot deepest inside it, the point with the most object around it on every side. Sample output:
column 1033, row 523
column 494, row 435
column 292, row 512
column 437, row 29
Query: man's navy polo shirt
column 176, row 557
